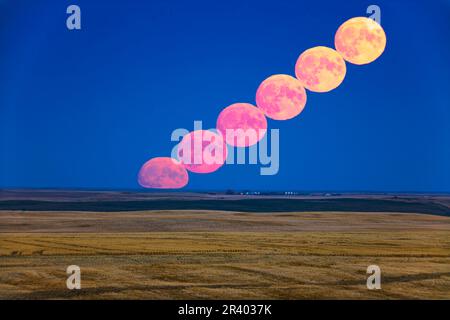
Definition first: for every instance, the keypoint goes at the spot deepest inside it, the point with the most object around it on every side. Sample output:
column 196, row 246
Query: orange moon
column 163, row 173
column 202, row 151
column 242, row 124
column 281, row 97
column 320, row 69
column 360, row 40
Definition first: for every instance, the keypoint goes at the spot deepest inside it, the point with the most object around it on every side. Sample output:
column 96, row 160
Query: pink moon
column 163, row 173
column 202, row 151
column 320, row 69
column 281, row 97
column 242, row 124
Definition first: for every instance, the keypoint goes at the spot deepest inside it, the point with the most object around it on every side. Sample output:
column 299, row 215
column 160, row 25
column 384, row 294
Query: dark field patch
column 245, row 205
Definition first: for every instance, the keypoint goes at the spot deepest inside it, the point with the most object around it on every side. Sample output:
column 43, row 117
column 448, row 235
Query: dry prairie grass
column 226, row 265
column 213, row 221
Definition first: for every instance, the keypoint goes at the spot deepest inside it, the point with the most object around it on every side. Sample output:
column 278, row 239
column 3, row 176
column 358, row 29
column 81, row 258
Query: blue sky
column 85, row 109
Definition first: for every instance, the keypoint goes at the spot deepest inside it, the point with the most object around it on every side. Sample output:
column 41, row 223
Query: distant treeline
column 245, row 205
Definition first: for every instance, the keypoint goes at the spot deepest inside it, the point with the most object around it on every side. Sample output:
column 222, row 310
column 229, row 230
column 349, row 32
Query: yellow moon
column 320, row 69
column 360, row 40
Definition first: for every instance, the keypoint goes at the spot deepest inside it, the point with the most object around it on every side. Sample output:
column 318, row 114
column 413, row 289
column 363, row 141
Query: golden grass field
column 223, row 255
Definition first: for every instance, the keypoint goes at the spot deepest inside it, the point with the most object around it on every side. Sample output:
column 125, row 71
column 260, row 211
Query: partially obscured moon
column 320, row 69
column 202, row 151
column 242, row 124
column 163, row 173
column 281, row 97
column 360, row 40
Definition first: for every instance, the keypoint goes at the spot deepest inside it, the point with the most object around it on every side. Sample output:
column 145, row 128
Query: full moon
column 281, row 97
column 242, row 124
column 163, row 173
column 360, row 40
column 320, row 69
column 202, row 151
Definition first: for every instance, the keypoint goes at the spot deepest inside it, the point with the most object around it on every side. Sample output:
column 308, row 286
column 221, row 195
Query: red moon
column 163, row 173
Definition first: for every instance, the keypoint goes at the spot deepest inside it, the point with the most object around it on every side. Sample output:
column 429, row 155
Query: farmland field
column 223, row 255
